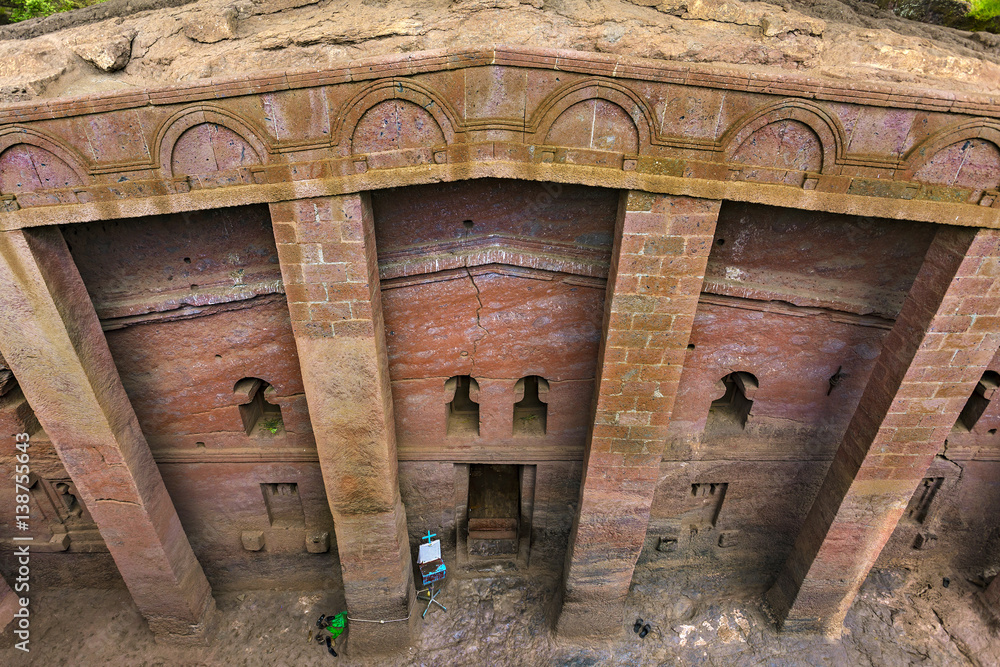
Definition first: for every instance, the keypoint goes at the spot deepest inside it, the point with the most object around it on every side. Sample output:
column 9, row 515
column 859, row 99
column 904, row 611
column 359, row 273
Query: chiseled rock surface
column 836, row 39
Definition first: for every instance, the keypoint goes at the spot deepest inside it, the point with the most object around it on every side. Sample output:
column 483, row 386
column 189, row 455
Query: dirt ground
column 500, row 619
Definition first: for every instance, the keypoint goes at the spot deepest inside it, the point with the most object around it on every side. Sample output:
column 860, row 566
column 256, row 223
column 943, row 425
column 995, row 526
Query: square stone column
column 52, row 340
column 657, row 271
column 326, row 247
column 947, row 332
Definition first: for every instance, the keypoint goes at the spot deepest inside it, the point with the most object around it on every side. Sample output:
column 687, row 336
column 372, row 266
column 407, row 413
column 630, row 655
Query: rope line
column 383, row 621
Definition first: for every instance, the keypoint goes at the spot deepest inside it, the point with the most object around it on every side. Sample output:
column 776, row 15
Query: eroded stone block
column 109, row 54
column 318, row 542
column 666, row 544
column 728, row 538
column 209, row 27
column 253, row 540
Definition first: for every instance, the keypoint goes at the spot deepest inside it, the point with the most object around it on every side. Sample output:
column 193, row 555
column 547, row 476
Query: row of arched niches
column 789, row 141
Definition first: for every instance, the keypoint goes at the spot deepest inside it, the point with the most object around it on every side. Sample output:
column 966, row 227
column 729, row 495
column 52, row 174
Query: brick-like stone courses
column 52, row 340
column 947, row 332
column 658, row 266
column 326, row 247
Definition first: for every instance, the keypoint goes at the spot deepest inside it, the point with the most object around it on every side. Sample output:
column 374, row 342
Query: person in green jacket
column 335, row 626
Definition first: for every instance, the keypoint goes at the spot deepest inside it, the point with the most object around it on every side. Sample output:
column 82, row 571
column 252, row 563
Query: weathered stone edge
column 619, row 67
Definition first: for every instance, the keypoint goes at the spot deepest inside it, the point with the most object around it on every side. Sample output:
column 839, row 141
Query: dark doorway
column 494, row 509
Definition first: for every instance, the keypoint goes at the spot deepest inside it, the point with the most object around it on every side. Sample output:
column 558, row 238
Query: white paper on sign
column 429, row 552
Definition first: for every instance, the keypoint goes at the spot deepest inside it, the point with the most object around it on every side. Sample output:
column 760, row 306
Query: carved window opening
column 920, row 505
column 531, row 407
column 463, row 406
column 732, row 409
column 260, row 416
column 59, row 502
column 65, row 492
column 977, row 403
column 710, row 497
column 284, row 507
column 921, row 510
column 68, row 521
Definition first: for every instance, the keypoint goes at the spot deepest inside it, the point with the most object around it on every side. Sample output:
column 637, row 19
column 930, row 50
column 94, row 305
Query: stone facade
column 583, row 316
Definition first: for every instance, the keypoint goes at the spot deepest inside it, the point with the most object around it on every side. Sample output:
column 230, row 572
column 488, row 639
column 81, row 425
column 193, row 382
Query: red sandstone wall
column 428, row 489
column 956, row 524
column 191, row 305
column 793, row 357
column 495, row 317
column 180, row 377
column 218, row 501
column 540, row 324
column 792, row 297
column 427, row 216
column 846, row 263
column 497, row 280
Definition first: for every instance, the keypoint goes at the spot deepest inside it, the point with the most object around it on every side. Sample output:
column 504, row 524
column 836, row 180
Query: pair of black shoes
column 329, row 644
column 641, row 628
column 321, row 624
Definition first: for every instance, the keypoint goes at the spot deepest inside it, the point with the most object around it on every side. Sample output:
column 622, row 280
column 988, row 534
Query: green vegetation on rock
column 974, row 15
column 984, row 10
column 12, row 11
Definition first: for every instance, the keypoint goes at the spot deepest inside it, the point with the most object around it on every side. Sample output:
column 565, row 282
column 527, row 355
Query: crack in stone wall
column 479, row 300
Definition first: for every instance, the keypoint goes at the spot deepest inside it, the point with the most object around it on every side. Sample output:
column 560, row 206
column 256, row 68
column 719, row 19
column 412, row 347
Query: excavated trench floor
column 499, row 619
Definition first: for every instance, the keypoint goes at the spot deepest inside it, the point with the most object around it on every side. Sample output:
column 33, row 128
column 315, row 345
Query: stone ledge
column 919, row 210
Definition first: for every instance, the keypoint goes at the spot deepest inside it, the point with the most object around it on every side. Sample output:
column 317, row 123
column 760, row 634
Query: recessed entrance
column 494, row 505
column 494, row 509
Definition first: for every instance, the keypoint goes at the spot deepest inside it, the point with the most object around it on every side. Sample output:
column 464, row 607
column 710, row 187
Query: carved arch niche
column 26, row 168
column 595, row 124
column 970, row 163
column 209, row 147
column 395, row 124
column 779, row 152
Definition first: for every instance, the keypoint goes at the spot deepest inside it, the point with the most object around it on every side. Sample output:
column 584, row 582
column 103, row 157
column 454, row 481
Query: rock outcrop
column 842, row 39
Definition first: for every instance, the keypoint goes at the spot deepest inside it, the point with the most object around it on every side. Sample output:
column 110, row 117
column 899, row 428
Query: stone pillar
column 53, row 342
column 657, row 270
column 326, row 247
column 947, row 332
